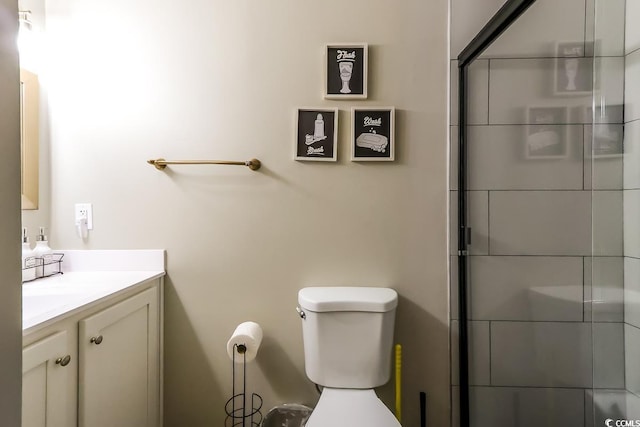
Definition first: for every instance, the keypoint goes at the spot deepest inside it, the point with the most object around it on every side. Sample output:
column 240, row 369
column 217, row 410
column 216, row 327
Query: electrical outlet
column 85, row 211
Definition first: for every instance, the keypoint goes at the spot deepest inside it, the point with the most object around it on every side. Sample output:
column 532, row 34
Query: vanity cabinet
column 99, row 366
column 47, row 382
column 118, row 364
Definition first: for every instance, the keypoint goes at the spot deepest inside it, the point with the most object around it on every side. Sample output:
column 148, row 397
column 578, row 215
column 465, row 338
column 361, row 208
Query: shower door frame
column 506, row 16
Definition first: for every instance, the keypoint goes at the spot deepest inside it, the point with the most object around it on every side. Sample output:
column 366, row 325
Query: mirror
column 29, row 138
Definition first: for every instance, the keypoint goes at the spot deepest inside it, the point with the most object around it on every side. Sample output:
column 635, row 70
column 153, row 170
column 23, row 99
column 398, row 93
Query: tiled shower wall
column 541, row 239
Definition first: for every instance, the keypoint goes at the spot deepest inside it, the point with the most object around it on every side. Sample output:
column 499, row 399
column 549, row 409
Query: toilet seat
column 342, row 407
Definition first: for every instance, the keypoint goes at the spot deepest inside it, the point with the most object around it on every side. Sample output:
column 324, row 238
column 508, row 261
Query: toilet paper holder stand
column 241, row 412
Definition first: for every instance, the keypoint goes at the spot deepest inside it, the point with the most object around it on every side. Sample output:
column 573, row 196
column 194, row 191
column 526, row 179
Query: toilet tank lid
column 331, row 298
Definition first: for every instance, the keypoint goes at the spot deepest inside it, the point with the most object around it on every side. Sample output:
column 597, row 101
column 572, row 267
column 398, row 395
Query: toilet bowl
column 341, row 407
column 348, row 340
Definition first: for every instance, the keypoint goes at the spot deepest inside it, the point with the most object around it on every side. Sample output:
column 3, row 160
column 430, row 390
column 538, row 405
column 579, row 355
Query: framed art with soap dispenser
column 316, row 134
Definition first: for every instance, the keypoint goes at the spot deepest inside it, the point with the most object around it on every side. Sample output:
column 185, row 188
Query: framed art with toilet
column 573, row 71
column 345, row 69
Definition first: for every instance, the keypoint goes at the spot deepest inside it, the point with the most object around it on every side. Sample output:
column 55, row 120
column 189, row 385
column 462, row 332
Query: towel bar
column 160, row 164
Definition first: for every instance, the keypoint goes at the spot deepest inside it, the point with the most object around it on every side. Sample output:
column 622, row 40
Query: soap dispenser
column 28, row 258
column 42, row 250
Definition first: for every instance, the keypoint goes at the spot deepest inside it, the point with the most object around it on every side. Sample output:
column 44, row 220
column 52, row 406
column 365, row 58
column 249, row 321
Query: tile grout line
column 543, row 57
column 547, row 124
column 488, row 91
column 624, row 346
column 490, row 356
column 624, row 29
column 584, row 31
column 578, row 322
column 584, row 149
column 632, row 52
column 535, row 387
column 558, row 256
column 553, row 190
column 489, row 222
column 625, row 129
column 633, row 326
column 584, row 292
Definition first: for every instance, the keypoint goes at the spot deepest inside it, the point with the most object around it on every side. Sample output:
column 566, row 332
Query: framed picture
column 372, row 134
column 546, row 133
column 345, row 68
column 573, row 71
column 317, row 134
column 606, row 140
column 607, row 132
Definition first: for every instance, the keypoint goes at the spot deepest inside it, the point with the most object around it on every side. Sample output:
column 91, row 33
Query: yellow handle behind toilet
column 399, row 382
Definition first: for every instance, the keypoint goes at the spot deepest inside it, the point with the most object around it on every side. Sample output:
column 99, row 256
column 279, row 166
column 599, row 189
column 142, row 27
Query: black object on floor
column 423, row 409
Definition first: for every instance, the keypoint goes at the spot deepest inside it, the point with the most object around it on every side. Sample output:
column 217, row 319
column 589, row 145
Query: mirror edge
column 29, row 138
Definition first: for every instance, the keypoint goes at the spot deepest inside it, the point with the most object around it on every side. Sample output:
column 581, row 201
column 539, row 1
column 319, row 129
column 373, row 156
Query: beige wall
column 130, row 81
column 10, row 292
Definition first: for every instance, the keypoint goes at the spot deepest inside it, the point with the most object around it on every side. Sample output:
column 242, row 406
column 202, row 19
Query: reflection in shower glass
column 553, row 204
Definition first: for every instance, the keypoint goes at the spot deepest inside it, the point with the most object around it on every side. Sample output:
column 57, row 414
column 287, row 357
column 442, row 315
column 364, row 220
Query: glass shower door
column 547, row 263
column 615, row 267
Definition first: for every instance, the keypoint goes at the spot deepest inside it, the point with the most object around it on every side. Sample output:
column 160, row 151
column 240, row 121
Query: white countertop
column 53, row 298
column 50, row 299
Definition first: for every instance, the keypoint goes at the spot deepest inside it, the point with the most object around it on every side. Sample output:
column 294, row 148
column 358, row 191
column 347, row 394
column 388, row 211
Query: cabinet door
column 46, row 374
column 119, row 364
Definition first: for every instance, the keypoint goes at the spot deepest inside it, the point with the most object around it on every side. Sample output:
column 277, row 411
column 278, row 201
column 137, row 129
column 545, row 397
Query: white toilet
column 348, row 340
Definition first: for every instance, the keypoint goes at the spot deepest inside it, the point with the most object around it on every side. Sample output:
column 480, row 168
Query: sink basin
column 38, row 300
column 52, row 298
column 63, row 291
column 38, row 305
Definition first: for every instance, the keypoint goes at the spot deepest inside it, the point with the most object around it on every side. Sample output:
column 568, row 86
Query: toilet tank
column 348, row 335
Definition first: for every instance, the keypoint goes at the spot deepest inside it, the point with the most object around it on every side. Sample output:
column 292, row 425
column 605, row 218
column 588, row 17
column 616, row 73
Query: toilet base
column 341, row 407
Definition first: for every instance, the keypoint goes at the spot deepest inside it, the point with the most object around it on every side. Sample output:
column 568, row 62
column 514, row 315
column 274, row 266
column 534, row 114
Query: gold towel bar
column 160, row 164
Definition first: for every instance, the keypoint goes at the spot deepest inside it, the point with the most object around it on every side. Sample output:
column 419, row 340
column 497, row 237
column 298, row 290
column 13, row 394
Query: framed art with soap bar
column 373, row 134
column 546, row 133
column 317, row 134
column 345, row 70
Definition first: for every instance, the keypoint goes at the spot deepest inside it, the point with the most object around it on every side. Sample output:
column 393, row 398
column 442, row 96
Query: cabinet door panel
column 118, row 372
column 34, row 397
column 44, row 383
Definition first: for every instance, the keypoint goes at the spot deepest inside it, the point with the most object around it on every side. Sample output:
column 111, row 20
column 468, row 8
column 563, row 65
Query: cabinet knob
column 63, row 361
column 96, row 340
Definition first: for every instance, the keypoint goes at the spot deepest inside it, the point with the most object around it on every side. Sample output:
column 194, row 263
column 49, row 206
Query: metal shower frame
column 506, row 16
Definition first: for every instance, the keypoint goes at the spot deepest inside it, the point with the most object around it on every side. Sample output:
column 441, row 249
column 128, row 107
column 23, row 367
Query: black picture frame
column 546, row 133
column 573, row 71
column 316, row 134
column 373, row 134
column 346, row 71
column 606, row 134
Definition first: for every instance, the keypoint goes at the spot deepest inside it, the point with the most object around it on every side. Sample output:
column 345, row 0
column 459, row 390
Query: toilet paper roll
column 249, row 335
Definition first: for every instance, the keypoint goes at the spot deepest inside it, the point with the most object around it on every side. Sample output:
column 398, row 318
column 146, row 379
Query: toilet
column 348, row 340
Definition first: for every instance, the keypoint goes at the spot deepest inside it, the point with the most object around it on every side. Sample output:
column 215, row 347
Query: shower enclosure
column 545, row 204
